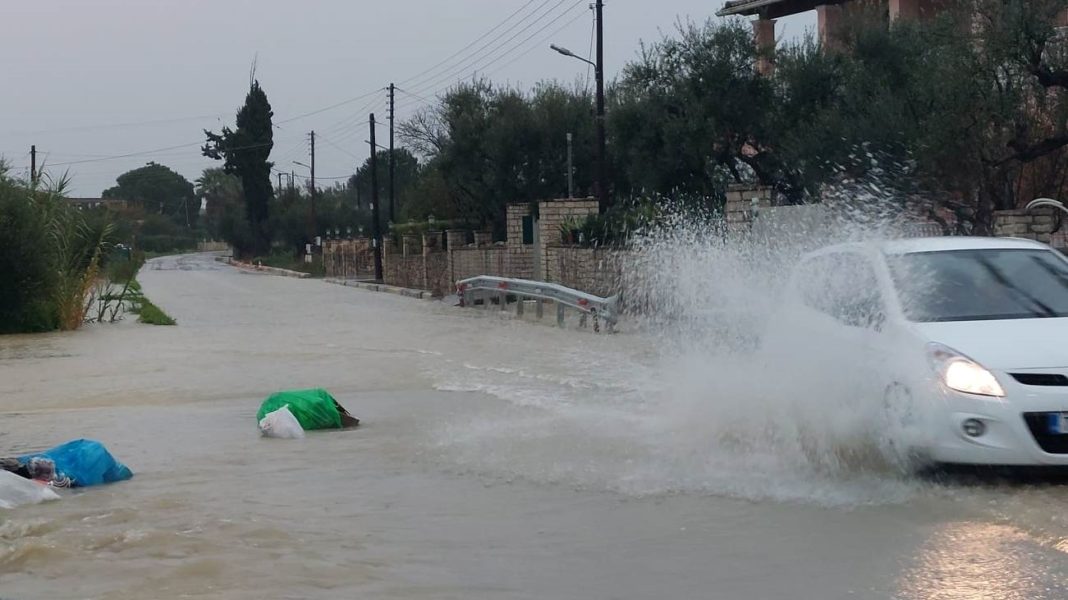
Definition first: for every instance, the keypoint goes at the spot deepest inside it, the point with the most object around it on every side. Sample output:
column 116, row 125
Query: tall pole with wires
column 392, row 159
column 376, row 230
column 602, row 178
column 311, row 200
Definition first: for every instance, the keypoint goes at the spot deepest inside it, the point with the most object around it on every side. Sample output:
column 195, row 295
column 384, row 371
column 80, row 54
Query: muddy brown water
column 498, row 460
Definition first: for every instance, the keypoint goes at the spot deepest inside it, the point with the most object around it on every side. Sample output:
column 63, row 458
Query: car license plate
column 1058, row 423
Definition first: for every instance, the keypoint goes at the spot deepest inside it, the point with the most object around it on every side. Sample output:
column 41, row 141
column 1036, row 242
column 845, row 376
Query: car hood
column 1005, row 344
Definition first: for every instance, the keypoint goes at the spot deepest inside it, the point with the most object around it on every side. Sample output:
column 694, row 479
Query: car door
column 841, row 313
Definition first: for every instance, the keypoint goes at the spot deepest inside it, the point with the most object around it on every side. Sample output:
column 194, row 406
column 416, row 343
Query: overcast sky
column 86, row 81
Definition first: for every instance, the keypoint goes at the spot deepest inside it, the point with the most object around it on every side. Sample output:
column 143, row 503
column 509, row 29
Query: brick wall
column 738, row 210
column 1035, row 225
column 349, row 259
column 554, row 213
column 593, row 270
column 520, row 260
column 402, row 271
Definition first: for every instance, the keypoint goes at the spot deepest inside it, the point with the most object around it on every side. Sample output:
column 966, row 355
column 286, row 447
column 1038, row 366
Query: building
column 94, row 203
column 831, row 15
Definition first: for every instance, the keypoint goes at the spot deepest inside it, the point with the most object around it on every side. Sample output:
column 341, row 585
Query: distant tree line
column 961, row 115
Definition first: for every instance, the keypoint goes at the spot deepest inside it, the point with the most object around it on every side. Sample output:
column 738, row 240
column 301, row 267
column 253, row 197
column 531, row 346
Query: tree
column 160, row 191
column 406, row 172
column 492, row 146
column 221, row 194
column 246, row 151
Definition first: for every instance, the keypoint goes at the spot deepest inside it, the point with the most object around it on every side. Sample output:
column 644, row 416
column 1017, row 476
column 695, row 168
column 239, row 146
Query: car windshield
column 986, row 284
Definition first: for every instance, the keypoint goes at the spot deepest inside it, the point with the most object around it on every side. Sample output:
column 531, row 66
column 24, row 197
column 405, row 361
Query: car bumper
column 1008, row 439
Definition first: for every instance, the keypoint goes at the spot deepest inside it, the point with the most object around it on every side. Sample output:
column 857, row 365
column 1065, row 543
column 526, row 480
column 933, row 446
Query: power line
column 478, row 55
column 475, row 41
column 521, row 44
column 331, row 107
column 539, row 44
column 416, row 96
column 327, row 140
column 116, row 125
column 127, row 155
column 150, row 152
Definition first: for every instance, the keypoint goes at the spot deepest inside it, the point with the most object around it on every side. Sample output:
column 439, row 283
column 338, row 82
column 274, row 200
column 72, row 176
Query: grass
column 153, row 315
column 147, row 312
column 286, row 260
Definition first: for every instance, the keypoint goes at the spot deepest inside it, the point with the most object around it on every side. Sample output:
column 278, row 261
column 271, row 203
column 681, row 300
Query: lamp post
column 601, row 179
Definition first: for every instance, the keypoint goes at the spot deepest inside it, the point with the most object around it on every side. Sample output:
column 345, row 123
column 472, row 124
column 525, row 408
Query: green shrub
column 154, row 315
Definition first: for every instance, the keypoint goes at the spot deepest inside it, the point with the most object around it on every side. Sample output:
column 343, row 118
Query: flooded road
column 498, row 460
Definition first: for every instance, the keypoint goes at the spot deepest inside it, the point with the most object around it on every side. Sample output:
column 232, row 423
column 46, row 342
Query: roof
column 950, row 243
column 934, row 244
column 771, row 9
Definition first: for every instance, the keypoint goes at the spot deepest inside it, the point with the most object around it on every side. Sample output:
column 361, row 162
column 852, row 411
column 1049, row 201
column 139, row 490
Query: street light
column 571, row 54
column 602, row 183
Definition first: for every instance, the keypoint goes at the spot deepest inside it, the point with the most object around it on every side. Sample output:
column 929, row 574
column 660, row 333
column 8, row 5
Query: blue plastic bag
column 85, row 462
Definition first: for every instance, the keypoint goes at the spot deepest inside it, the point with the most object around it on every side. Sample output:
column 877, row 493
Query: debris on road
column 16, row 491
column 314, row 409
column 80, row 463
column 281, row 424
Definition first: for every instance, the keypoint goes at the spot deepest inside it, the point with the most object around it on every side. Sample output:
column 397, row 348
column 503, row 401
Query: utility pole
column 602, row 179
column 570, row 169
column 311, row 203
column 376, row 230
column 33, row 166
column 392, row 178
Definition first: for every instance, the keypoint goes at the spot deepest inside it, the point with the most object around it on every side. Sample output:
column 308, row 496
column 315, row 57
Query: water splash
column 714, row 408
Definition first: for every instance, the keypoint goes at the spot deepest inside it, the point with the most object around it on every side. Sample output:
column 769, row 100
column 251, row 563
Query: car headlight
column 960, row 373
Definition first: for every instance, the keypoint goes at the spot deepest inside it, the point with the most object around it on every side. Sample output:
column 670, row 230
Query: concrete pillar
column 410, row 244
column 829, row 21
column 764, row 31
column 455, row 239
column 905, row 9
column 431, row 242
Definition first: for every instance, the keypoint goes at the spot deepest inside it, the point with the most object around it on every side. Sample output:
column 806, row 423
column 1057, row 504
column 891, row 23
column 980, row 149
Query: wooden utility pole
column 33, row 166
column 392, row 178
column 376, row 228
column 311, row 201
column 602, row 177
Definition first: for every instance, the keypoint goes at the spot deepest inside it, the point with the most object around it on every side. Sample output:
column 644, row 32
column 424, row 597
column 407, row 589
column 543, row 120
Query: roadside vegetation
column 60, row 267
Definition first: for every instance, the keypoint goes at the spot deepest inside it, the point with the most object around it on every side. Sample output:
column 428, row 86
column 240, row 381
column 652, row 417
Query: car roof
column 936, row 244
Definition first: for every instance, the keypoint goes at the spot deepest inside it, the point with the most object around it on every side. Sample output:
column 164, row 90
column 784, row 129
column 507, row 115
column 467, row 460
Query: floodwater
column 498, row 459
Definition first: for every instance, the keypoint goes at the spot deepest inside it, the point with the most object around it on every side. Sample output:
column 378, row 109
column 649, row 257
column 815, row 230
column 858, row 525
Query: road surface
column 498, row 460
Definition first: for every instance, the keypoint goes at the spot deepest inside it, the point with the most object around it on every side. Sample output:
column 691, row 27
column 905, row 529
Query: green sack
column 315, row 409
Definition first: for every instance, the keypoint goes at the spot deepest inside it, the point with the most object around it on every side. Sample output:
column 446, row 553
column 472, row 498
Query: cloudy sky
column 105, row 86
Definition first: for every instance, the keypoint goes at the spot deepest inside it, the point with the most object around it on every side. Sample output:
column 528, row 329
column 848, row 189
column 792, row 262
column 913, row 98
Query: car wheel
column 900, row 425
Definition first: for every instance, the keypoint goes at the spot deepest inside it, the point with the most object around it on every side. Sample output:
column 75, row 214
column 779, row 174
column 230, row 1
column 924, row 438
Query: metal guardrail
column 486, row 287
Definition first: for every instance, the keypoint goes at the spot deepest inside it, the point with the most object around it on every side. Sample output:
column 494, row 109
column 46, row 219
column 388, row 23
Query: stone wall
column 1035, row 225
column 471, row 262
column 403, row 271
column 593, row 270
column 741, row 202
column 554, row 213
column 349, row 259
column 520, row 260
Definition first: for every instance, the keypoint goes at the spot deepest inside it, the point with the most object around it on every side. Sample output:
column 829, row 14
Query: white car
column 960, row 342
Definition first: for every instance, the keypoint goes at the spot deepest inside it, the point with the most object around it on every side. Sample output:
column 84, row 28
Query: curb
column 383, row 288
column 269, row 270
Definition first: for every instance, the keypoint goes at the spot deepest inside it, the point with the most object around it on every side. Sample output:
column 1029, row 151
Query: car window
column 842, row 285
column 985, row 284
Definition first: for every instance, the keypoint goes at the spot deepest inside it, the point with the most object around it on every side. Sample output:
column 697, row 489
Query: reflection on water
column 985, row 561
